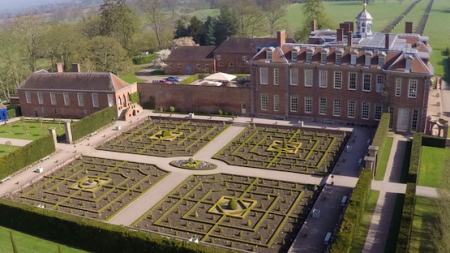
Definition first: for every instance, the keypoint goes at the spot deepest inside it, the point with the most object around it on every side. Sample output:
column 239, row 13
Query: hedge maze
column 285, row 149
column 245, row 213
column 92, row 187
column 167, row 137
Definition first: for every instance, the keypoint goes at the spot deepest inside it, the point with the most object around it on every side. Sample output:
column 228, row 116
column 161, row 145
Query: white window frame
column 276, row 103
column 337, row 82
column 378, row 111
column 351, row 109
column 381, row 60
column 308, row 104
column 414, row 120
column 368, row 61
column 309, row 77
column 380, row 83
column 353, row 59
column 110, row 99
column 323, row 57
column 294, row 76
column 352, row 82
column 52, row 98
column 206, row 66
column 264, row 102
column 244, row 58
column 338, row 59
column 364, row 82
column 219, row 58
column 365, row 110
column 276, row 76
column 220, row 64
column 337, row 107
column 323, row 106
column 412, row 86
column 178, row 66
column 293, row 102
column 66, row 98
column 294, row 55
column 408, row 65
column 309, row 56
column 398, row 87
column 269, row 55
column 28, row 97
column 80, row 98
column 40, row 97
column 323, row 78
column 95, row 101
column 263, row 75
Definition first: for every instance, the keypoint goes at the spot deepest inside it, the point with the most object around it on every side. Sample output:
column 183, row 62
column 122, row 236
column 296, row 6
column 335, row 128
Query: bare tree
column 154, row 13
column 275, row 11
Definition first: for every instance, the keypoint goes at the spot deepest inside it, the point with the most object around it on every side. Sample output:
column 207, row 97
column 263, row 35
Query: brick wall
column 180, row 67
column 235, row 59
column 193, row 98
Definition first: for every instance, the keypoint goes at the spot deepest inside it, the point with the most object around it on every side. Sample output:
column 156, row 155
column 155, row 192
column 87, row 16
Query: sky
column 19, row 4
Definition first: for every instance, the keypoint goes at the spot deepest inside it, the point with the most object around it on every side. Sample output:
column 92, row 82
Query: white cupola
column 364, row 24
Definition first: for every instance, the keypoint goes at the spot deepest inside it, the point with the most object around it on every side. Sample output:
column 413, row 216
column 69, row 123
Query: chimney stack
column 313, row 25
column 76, row 67
column 408, row 27
column 281, row 37
column 340, row 34
column 59, row 67
column 345, row 26
column 387, row 43
column 350, row 26
column 349, row 39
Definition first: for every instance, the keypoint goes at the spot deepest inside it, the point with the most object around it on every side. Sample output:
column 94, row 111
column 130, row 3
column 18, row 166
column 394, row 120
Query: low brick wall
column 193, row 98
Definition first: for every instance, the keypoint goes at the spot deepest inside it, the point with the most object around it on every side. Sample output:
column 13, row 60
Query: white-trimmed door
column 402, row 120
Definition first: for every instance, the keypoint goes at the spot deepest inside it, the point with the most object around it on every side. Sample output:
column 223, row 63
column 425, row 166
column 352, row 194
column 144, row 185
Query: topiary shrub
column 232, row 205
column 165, row 133
column 172, row 109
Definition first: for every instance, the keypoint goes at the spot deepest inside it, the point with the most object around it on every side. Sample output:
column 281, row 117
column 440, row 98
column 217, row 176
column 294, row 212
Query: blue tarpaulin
column 3, row 114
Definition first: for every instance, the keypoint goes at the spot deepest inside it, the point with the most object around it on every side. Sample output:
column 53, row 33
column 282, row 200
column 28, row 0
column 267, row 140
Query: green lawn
column 384, row 159
column 15, row 130
column 423, row 226
column 394, row 227
column 4, row 150
column 415, row 15
column 432, row 165
column 203, row 14
column 439, row 31
column 131, row 78
column 30, row 244
column 363, row 228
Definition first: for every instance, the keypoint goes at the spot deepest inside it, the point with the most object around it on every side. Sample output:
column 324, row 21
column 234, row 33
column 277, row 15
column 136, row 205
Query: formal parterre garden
column 245, row 213
column 166, row 137
column 92, row 187
column 285, row 149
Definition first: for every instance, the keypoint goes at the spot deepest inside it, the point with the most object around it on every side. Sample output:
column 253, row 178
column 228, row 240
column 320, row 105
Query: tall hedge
column 381, row 135
column 433, row 141
column 406, row 223
column 143, row 59
column 14, row 111
column 414, row 162
column 93, row 122
column 353, row 214
column 24, row 156
column 90, row 235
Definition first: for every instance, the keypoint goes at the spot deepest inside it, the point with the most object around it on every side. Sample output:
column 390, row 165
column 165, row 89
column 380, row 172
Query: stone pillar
column 445, row 131
column 370, row 163
column 373, row 150
column 68, row 132
column 52, row 131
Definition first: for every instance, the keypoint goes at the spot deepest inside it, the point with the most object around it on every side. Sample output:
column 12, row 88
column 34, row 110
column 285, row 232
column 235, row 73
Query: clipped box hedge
column 433, row 141
column 90, row 235
column 381, row 135
column 353, row 214
column 93, row 122
column 143, row 59
column 406, row 224
column 24, row 156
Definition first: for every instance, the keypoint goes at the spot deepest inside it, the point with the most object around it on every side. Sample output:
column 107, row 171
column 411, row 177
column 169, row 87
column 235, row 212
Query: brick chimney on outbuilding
column 59, row 67
column 76, row 67
column 340, row 34
column 313, row 25
column 408, row 27
column 281, row 37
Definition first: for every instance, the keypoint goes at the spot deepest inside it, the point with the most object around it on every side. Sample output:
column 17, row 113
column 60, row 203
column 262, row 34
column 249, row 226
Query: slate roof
column 246, row 45
column 86, row 81
column 194, row 53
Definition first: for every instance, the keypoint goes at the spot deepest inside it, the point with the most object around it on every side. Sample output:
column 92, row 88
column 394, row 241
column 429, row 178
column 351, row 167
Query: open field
column 432, row 165
column 423, row 226
column 166, row 137
column 413, row 16
column 265, row 217
column 384, row 159
column 4, row 150
column 35, row 130
column 363, row 229
column 284, row 149
column 92, row 187
column 29, row 244
column 439, row 36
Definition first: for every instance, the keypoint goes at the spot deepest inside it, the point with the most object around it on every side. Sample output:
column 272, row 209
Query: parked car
column 165, row 81
column 173, row 79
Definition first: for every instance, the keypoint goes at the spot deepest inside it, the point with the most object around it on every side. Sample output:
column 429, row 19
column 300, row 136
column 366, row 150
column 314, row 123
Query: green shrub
column 414, row 162
column 88, row 234
column 192, row 78
column 381, row 136
column 232, row 205
column 134, row 97
column 93, row 122
column 220, row 112
column 24, row 156
column 172, row 109
column 353, row 214
column 406, row 223
column 16, row 108
column 143, row 59
column 11, row 113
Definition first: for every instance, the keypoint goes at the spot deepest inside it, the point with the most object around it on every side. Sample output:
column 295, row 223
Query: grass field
column 423, row 226
column 16, row 131
column 439, row 31
column 413, row 16
column 394, row 227
column 363, row 229
column 30, row 244
column 4, row 150
column 432, row 165
column 384, row 159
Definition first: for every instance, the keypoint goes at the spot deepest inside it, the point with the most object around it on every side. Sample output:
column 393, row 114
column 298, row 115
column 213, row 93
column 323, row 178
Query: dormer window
column 368, row 59
column 381, row 59
column 338, row 59
column 353, row 56
column 309, row 53
column 323, row 56
column 294, row 55
column 408, row 66
column 269, row 54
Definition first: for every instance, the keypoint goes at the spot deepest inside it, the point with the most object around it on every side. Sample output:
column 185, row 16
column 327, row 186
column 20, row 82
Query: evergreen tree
column 226, row 25
column 13, row 243
column 195, row 29
column 181, row 29
column 208, row 38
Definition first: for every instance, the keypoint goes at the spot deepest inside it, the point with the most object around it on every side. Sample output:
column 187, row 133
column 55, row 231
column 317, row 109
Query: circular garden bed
column 192, row 164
